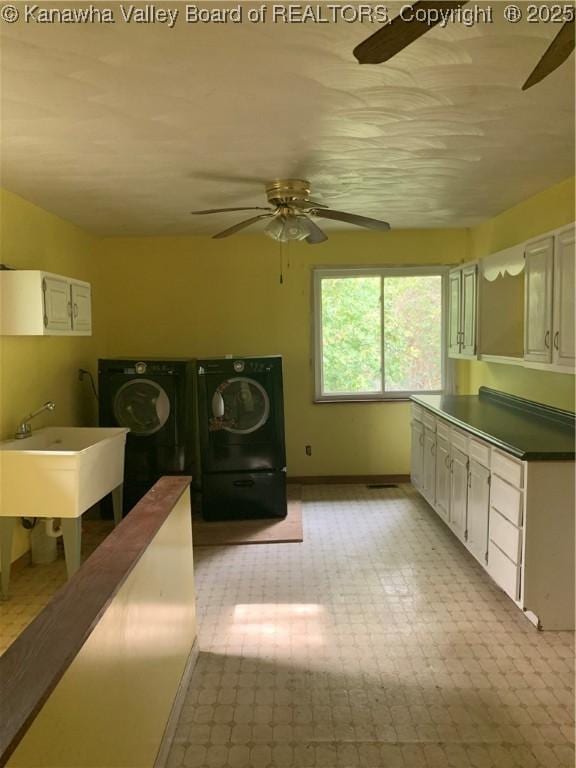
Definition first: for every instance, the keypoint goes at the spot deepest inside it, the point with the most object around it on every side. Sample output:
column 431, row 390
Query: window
column 378, row 332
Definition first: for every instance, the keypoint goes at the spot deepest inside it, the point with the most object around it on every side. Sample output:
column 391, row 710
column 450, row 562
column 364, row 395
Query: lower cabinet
column 443, row 475
column 516, row 518
column 458, row 492
column 478, row 510
column 429, row 480
column 417, row 454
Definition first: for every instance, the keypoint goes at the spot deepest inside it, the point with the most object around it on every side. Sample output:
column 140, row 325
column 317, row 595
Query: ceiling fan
column 291, row 212
column 405, row 29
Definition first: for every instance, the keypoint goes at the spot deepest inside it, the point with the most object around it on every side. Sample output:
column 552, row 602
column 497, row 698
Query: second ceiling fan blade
column 241, row 225
column 557, row 53
column 224, row 210
column 351, row 218
column 400, row 32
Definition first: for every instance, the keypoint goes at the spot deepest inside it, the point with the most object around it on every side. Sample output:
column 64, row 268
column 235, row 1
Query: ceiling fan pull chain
column 281, row 262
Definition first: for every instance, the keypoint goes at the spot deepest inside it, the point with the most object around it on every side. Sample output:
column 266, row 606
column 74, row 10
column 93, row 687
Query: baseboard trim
column 345, row 479
column 171, row 725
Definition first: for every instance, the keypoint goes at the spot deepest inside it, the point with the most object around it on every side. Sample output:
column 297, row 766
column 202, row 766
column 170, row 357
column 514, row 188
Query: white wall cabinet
column 563, row 341
column 539, row 258
column 462, row 311
column 516, row 518
column 36, row 303
column 549, row 300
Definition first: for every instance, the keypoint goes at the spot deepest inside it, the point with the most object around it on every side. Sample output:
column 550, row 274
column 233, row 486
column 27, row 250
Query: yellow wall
column 35, row 369
column 193, row 296
column 548, row 210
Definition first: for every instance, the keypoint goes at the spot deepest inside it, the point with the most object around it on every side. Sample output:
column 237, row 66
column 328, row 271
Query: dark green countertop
column 528, row 430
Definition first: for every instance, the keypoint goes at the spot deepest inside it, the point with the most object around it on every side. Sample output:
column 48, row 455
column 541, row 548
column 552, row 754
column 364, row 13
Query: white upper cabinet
column 462, row 312
column 454, row 311
column 81, row 300
column 539, row 258
column 564, row 289
column 36, row 303
column 468, row 322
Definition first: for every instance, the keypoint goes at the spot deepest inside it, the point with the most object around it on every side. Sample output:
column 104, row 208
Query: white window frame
column 321, row 273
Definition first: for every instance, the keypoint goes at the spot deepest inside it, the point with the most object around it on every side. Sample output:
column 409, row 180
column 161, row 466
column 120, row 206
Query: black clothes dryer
column 241, row 429
column 155, row 400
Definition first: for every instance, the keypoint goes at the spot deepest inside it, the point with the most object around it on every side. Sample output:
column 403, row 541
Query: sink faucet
column 24, row 428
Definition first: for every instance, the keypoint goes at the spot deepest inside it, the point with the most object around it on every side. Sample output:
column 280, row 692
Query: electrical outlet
column 308, row 450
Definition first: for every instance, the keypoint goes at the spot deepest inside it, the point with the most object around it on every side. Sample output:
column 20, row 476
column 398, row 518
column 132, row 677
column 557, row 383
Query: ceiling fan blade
column 224, row 210
column 241, row 225
column 316, row 234
column 399, row 33
column 307, row 204
column 557, row 53
column 351, row 218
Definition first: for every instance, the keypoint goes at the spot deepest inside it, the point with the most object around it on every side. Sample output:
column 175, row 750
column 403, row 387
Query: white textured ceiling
column 124, row 128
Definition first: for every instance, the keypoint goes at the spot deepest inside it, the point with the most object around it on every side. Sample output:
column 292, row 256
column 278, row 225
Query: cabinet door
column 564, row 288
column 57, row 308
column 454, row 311
column 442, row 477
column 430, row 465
column 416, row 467
column 478, row 508
column 81, row 307
column 458, row 492
column 538, row 301
column 468, row 331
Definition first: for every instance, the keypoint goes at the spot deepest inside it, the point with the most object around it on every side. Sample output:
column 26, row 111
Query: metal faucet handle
column 24, row 428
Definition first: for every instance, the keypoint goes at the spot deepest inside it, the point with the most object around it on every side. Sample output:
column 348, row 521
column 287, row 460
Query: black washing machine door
column 240, row 406
column 142, row 405
column 242, row 423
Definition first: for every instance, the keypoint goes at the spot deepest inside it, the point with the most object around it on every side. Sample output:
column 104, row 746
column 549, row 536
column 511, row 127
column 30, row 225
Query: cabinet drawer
column 429, row 420
column 507, row 500
column 443, row 429
column 416, row 413
column 459, row 440
column 508, row 468
column 479, row 451
column 506, row 536
column 504, row 572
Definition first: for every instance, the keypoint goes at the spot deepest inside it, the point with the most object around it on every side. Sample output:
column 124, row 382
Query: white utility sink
column 59, row 472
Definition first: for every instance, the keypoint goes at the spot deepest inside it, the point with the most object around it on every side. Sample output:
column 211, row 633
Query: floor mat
column 272, row 531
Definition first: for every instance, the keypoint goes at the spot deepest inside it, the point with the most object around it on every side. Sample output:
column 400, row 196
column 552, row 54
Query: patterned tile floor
column 378, row 642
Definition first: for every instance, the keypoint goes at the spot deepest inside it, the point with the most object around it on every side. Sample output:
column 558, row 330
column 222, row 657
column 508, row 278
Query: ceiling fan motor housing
column 283, row 191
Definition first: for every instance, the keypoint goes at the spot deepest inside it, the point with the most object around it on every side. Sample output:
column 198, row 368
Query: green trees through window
column 380, row 333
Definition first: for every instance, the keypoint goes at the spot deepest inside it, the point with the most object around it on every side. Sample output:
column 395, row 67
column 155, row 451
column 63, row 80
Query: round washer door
column 240, row 405
column 141, row 405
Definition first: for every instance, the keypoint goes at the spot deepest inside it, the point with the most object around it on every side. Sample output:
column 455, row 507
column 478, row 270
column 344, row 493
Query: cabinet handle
column 421, row 440
column 556, row 343
column 447, row 462
column 75, row 310
column 547, row 340
column 469, row 480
